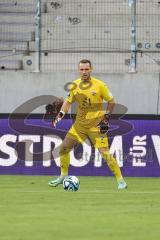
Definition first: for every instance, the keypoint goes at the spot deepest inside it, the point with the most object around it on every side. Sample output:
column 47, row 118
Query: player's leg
column 65, row 149
column 113, row 166
column 64, row 153
column 100, row 141
column 73, row 137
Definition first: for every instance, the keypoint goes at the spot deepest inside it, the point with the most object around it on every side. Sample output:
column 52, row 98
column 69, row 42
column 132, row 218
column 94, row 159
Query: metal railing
column 117, row 36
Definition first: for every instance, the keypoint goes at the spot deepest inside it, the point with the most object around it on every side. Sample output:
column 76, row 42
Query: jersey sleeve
column 106, row 94
column 70, row 98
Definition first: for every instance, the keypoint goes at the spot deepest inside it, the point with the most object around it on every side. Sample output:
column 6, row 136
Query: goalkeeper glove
column 104, row 124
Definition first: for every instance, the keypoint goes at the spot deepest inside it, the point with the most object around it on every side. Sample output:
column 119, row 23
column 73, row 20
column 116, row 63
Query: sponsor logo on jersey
column 93, row 93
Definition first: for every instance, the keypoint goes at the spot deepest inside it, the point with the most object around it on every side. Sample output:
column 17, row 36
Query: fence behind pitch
column 72, row 30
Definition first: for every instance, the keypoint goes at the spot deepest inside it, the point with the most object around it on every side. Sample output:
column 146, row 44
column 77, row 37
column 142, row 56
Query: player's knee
column 106, row 155
column 64, row 150
column 104, row 151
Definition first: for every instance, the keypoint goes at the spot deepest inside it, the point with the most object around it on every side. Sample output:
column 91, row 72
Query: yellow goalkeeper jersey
column 89, row 97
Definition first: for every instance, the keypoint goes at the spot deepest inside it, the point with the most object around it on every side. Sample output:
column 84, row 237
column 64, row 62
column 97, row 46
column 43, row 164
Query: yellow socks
column 64, row 161
column 110, row 160
column 113, row 165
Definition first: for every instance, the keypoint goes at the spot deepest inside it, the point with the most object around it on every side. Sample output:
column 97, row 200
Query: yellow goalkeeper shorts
column 79, row 133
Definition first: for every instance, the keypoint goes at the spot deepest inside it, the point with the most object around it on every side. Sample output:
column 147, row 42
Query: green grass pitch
column 31, row 210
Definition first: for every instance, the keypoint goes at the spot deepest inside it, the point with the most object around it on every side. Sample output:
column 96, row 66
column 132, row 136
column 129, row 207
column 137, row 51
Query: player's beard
column 85, row 77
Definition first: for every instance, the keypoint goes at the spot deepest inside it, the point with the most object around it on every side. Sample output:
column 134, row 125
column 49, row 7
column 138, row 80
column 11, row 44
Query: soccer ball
column 71, row 183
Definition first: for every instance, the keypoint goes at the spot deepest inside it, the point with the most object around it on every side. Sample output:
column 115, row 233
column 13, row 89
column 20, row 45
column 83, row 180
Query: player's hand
column 52, row 110
column 104, row 124
column 58, row 118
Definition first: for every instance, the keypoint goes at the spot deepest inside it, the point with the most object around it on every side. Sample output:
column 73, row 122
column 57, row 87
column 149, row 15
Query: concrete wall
column 138, row 92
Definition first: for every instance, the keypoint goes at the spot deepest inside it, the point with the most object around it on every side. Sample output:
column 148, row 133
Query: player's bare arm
column 64, row 109
column 110, row 106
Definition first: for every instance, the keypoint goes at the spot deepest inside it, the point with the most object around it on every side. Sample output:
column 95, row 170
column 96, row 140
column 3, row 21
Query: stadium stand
column 17, row 29
column 71, row 30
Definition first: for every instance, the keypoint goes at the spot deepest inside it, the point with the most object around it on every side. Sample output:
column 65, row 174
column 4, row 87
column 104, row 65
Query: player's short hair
column 86, row 61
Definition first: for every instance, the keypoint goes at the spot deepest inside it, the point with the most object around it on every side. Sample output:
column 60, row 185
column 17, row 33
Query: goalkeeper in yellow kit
column 91, row 121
